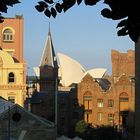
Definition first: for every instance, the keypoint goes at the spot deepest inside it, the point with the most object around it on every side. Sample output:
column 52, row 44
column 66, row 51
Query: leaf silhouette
column 91, row 2
column 79, row 2
column 3, row 8
column 39, row 8
column 11, row 2
column 47, row 13
column 123, row 32
column 123, row 23
column 53, row 12
column 42, row 3
column 106, row 13
column 49, row 1
column 67, row 4
column 58, row 7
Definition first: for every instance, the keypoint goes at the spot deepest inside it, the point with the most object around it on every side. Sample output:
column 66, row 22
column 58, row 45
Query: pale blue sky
column 81, row 33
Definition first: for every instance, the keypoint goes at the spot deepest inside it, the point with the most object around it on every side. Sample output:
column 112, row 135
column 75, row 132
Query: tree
column 80, row 128
column 124, row 10
column 88, row 132
column 4, row 6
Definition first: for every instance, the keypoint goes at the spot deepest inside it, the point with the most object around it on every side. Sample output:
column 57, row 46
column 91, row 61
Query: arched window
column 124, row 100
column 7, row 35
column 87, row 102
column 11, row 78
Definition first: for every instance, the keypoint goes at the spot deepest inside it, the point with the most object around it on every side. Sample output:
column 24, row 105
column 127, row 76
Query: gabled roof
column 48, row 55
column 19, row 108
column 123, row 79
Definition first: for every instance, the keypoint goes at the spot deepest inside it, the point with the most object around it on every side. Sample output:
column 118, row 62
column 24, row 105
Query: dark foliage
column 124, row 10
column 88, row 132
column 4, row 6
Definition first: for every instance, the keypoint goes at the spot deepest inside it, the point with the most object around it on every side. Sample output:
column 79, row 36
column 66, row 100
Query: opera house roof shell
column 72, row 71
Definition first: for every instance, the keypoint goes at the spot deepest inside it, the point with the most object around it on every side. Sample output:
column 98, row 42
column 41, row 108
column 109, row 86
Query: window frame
column 99, row 116
column 10, row 98
column 111, row 118
column 11, row 79
column 100, row 103
column 110, row 103
column 8, row 35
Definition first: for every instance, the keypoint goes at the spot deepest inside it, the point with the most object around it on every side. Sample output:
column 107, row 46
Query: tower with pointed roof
column 48, row 66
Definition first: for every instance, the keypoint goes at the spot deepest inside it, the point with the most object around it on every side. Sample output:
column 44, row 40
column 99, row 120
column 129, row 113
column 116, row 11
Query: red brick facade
column 14, row 43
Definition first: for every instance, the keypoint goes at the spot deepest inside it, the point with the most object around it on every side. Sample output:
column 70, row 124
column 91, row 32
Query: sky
column 81, row 33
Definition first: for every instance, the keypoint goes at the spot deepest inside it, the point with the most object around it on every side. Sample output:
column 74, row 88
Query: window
column 123, row 99
column 124, row 102
column 99, row 116
column 111, row 118
column 100, row 103
column 11, row 99
column 110, row 103
column 11, row 78
column 87, row 108
column 7, row 35
column 87, row 98
column 88, row 104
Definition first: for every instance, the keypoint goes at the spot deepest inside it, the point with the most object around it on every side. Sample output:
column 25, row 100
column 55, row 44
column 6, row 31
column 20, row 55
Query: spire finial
column 49, row 29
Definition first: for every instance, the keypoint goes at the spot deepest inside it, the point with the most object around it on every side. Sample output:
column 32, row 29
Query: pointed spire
column 48, row 55
column 49, row 29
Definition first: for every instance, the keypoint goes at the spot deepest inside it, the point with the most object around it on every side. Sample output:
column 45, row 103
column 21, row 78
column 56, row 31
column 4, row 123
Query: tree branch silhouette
column 124, row 10
column 4, row 6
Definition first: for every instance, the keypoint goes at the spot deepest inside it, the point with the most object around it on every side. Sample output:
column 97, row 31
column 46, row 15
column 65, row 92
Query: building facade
column 12, row 64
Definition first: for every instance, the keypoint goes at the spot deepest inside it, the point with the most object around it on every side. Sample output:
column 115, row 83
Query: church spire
column 49, row 29
column 48, row 55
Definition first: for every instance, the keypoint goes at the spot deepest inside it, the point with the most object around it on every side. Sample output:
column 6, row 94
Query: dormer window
column 8, row 35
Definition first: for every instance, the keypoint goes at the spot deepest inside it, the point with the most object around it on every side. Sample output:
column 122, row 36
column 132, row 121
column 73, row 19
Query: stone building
column 12, row 64
column 94, row 96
